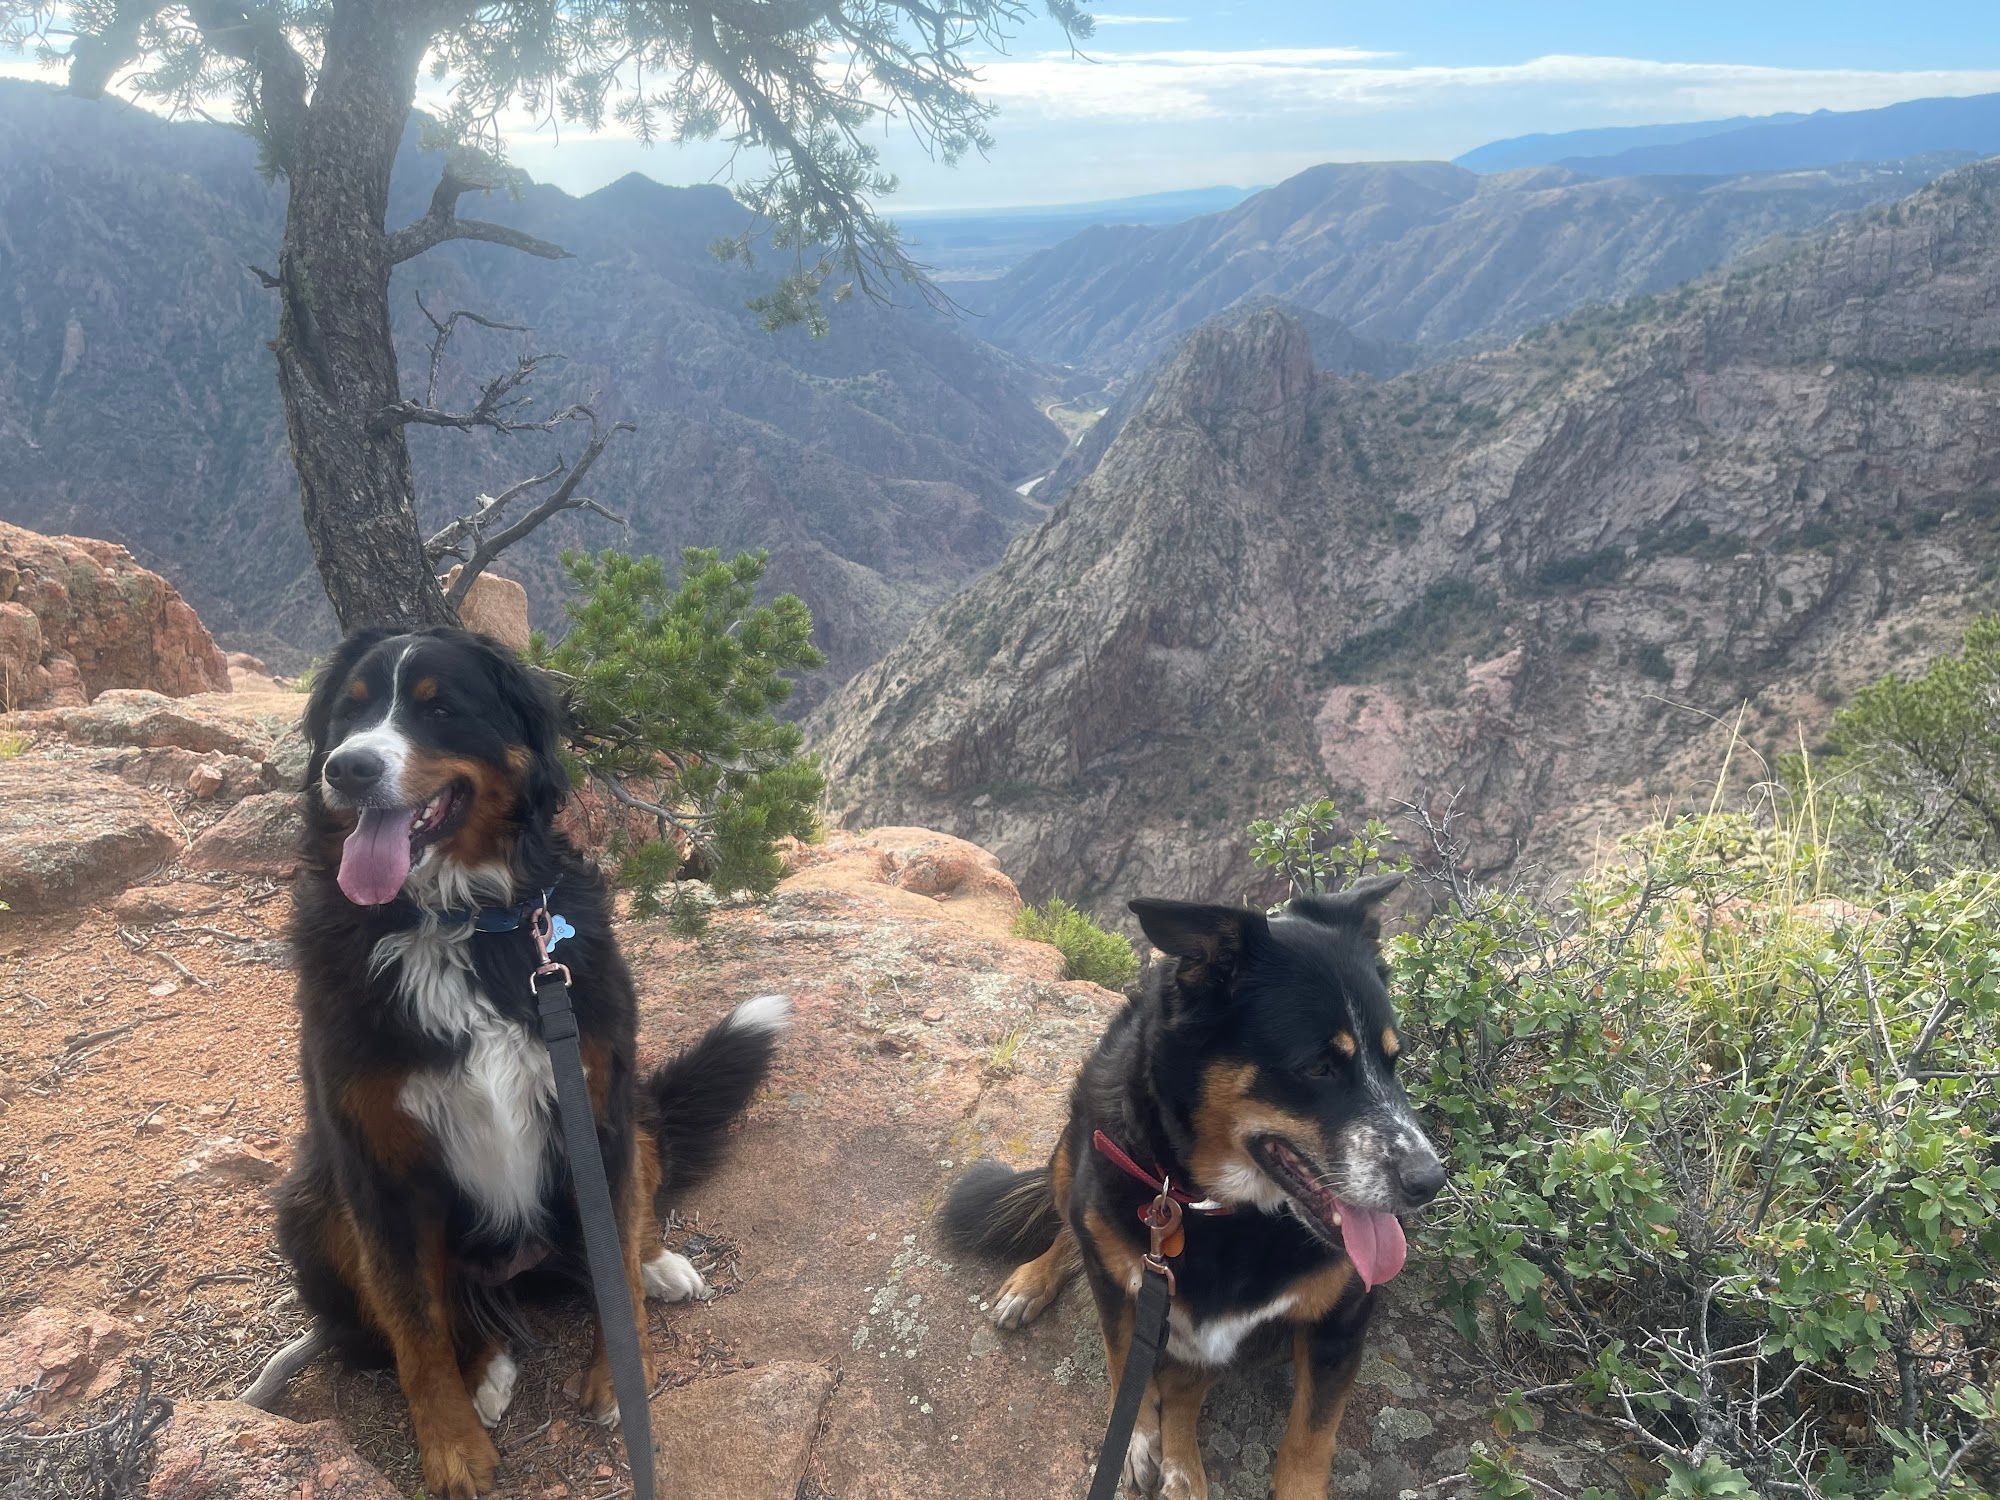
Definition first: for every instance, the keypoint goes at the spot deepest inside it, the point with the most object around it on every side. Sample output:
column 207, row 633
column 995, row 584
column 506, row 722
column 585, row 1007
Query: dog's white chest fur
column 490, row 1113
column 1214, row 1341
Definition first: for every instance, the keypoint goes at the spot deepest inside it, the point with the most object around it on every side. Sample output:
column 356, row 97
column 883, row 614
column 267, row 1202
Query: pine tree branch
column 442, row 223
column 249, row 33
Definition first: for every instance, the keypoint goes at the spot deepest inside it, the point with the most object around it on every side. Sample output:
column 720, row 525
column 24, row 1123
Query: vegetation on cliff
column 1724, row 1117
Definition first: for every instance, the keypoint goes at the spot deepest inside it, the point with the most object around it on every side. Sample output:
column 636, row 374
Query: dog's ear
column 1209, row 941
column 1358, row 907
column 329, row 678
column 538, row 720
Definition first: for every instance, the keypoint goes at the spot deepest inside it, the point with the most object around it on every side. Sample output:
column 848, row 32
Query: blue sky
column 1183, row 94
column 1180, row 93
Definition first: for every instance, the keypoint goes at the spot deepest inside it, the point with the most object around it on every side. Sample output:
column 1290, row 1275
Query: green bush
column 1726, row 1158
column 1089, row 952
column 1309, row 847
column 1583, row 568
column 1915, row 766
column 1652, row 662
column 672, row 688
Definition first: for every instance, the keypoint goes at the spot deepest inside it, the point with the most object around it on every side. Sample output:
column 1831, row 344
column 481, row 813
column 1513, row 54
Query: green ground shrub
column 1089, row 952
column 1914, row 767
column 1726, row 1159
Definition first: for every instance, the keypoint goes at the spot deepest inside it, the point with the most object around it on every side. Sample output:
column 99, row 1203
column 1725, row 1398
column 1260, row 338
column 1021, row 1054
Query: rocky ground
column 150, row 1094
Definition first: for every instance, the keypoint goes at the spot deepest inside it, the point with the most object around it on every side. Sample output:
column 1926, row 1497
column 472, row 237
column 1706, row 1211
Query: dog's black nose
column 354, row 771
column 1420, row 1178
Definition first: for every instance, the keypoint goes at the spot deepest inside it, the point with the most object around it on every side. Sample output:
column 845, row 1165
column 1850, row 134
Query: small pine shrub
column 673, row 686
column 1089, row 952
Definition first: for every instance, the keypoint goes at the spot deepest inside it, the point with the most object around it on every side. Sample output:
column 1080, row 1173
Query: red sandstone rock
column 260, row 836
column 495, row 606
column 746, row 1435
column 121, row 624
column 224, row 1450
column 61, row 1356
column 69, row 836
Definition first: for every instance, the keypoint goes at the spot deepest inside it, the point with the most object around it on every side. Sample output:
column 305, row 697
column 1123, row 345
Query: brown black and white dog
column 431, row 1173
column 1257, row 1072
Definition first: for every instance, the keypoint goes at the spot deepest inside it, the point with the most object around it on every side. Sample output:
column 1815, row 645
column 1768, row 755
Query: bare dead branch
column 499, row 399
column 442, row 223
column 481, row 528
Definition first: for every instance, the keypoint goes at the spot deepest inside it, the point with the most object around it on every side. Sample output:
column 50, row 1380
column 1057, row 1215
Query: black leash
column 1149, row 1341
column 602, row 1247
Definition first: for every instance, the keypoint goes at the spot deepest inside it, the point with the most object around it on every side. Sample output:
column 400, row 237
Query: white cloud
column 1214, row 84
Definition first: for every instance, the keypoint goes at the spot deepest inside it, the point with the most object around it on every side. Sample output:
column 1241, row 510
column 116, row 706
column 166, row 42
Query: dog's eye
column 439, row 711
column 1321, row 1069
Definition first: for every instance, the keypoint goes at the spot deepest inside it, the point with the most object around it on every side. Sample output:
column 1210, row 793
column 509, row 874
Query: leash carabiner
column 543, row 928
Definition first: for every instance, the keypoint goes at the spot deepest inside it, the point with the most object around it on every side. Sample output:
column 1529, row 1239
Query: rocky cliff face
column 1534, row 578
column 137, row 400
column 78, row 617
column 1421, row 253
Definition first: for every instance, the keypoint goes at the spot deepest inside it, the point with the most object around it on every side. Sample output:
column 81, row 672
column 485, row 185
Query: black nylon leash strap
column 602, row 1246
column 1149, row 1342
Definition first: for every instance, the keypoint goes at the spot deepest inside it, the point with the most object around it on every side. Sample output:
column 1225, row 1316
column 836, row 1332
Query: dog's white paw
column 1012, row 1310
column 673, row 1278
column 1142, row 1464
column 1176, row 1483
column 496, row 1388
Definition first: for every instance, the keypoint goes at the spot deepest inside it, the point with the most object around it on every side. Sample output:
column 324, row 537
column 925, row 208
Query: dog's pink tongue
column 1374, row 1243
column 375, row 860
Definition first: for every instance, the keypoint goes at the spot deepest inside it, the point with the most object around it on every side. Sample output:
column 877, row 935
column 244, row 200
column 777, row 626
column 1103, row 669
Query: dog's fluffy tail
column 696, row 1094
column 999, row 1214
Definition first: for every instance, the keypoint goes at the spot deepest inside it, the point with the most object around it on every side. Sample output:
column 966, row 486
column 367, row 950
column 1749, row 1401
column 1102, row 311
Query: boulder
column 259, row 836
column 124, row 626
column 24, row 681
column 69, row 836
column 747, row 1435
column 948, row 871
column 65, row 689
column 225, row 1159
column 147, row 905
column 209, row 776
column 495, row 606
column 285, row 767
column 224, row 1450
column 141, row 719
column 60, row 1356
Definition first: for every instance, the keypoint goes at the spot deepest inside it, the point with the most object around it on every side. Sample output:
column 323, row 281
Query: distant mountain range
column 1965, row 127
column 1540, row 580
column 1419, row 254
column 977, row 245
column 137, row 400
column 1545, row 150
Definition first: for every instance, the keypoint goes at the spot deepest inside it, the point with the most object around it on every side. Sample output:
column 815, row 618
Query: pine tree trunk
column 335, row 348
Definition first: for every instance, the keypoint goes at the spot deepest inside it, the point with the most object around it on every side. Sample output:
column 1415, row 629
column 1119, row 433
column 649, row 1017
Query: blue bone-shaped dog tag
column 559, row 929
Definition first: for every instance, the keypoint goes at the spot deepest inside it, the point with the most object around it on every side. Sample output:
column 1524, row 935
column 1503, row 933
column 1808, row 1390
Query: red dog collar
column 1112, row 1152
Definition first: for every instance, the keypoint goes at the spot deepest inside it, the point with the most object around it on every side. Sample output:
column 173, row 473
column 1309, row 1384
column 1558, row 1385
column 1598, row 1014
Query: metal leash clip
column 1163, row 1220
column 544, row 930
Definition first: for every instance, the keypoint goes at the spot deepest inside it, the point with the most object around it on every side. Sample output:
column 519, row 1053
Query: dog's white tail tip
column 766, row 1014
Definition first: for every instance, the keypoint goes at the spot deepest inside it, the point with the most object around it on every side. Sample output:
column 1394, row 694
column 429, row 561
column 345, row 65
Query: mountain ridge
column 137, row 401
column 1494, row 577
column 1422, row 253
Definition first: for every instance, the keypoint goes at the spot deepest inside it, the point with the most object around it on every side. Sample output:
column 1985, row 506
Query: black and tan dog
column 1258, row 1074
column 431, row 1172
